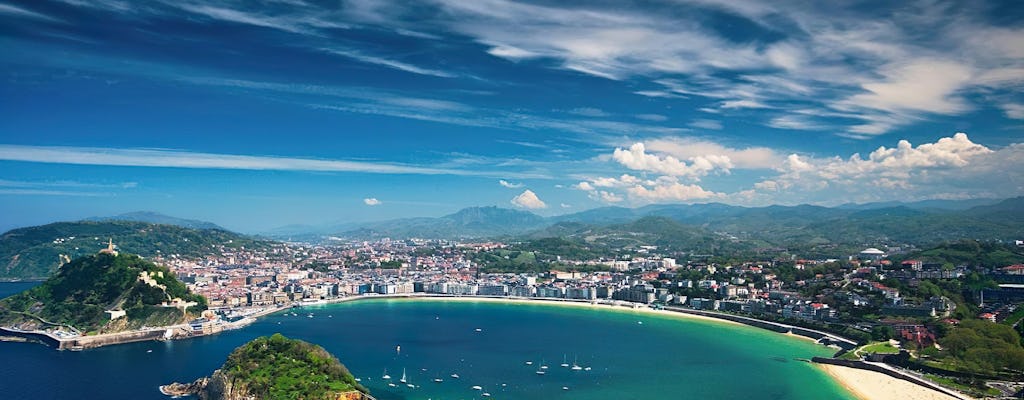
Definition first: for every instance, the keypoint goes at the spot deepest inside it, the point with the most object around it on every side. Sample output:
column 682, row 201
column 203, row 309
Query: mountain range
column 916, row 223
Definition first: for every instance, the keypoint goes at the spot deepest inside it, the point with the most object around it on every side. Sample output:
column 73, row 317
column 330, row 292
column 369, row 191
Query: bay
column 632, row 355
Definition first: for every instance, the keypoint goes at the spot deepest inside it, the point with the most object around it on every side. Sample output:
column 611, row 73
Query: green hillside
column 83, row 290
column 275, row 367
column 34, row 252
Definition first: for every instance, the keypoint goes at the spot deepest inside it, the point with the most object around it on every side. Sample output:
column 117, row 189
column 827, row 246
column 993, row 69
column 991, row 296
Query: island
column 275, row 367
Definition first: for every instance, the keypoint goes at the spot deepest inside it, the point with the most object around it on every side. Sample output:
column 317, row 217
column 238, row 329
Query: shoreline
column 870, row 385
column 862, row 384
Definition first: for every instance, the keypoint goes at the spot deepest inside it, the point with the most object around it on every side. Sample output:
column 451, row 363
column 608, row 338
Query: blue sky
column 257, row 114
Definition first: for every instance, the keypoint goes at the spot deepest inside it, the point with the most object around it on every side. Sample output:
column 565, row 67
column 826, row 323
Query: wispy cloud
column 38, row 192
column 66, row 184
column 395, row 64
column 372, row 201
column 7, row 9
column 509, row 185
column 184, row 159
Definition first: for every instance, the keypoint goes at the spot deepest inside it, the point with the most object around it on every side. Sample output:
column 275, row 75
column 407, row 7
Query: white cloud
column 563, row 205
column 707, row 124
column 743, row 104
column 589, row 112
column 670, row 191
column 372, row 201
column 652, row 117
column 798, row 122
column 529, row 200
column 950, row 167
column 241, row 17
column 637, row 158
column 1013, row 110
column 399, row 65
column 509, row 185
column 186, row 159
column 21, row 12
column 687, row 148
column 586, row 186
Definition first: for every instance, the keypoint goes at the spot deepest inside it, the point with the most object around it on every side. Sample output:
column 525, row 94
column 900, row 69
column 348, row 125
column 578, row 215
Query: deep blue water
column 664, row 357
column 9, row 288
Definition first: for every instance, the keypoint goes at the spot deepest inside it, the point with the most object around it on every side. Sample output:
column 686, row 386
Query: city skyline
column 257, row 116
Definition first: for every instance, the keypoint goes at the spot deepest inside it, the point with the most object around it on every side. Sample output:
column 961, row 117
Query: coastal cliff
column 275, row 367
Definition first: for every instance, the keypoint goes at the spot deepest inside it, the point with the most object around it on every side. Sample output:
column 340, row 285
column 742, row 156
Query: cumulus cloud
column 636, row 157
column 529, row 200
column 670, row 191
column 687, row 148
column 372, row 201
column 509, row 185
column 950, row 167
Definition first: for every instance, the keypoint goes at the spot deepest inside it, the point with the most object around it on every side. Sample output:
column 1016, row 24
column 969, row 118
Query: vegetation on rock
column 84, row 289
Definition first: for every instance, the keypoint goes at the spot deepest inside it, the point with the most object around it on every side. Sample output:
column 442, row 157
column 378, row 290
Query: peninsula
column 100, row 296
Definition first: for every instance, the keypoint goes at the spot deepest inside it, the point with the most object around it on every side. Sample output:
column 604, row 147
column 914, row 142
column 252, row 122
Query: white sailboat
column 575, row 366
column 403, row 376
column 564, row 362
column 386, row 376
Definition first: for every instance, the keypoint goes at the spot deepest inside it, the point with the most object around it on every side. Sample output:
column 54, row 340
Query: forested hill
column 83, row 290
column 275, row 367
column 35, row 252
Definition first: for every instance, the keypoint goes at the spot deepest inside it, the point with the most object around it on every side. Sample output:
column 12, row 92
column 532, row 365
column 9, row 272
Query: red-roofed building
column 915, row 265
column 1016, row 269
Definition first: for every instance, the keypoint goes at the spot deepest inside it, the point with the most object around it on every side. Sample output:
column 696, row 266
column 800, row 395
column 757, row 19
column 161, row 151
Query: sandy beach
column 870, row 385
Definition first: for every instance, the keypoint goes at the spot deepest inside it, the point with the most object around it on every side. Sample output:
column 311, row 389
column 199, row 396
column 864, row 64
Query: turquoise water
column 631, row 355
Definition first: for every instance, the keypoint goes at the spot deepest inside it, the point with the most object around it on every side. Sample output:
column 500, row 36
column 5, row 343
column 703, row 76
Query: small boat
column 477, row 388
column 565, row 388
column 479, row 330
column 411, row 386
column 455, row 376
column 564, row 363
column 529, row 363
column 149, row 351
column 386, row 376
column 438, row 380
column 485, row 394
column 575, row 366
column 540, row 372
column 310, row 315
column 403, row 380
column 330, row 316
column 587, row 369
column 358, row 380
column 391, row 384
